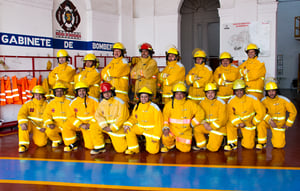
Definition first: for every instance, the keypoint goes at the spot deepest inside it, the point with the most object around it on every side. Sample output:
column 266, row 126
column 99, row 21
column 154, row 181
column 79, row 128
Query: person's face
column 145, row 53
column 117, row 53
column 82, row 92
column 225, row 62
column 59, row 92
column 144, row 98
column 239, row 93
column 179, row 95
column 199, row 60
column 272, row 94
column 171, row 57
column 251, row 53
column 62, row 60
column 38, row 96
column 107, row 94
column 211, row 94
column 88, row 63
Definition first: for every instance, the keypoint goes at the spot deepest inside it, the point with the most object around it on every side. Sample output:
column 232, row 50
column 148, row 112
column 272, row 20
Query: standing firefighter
column 244, row 112
column 225, row 75
column 146, row 119
column 117, row 71
column 275, row 119
column 145, row 71
column 111, row 113
column 198, row 76
column 172, row 74
column 179, row 116
column 64, row 73
column 81, row 118
column 55, row 115
column 90, row 75
column 215, row 120
column 30, row 119
column 253, row 72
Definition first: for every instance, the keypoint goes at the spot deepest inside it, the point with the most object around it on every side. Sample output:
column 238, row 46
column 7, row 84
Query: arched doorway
column 200, row 28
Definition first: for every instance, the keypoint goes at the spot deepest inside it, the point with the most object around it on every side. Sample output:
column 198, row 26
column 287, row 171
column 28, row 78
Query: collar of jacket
column 172, row 63
column 60, row 99
column 116, row 60
column 145, row 60
column 211, row 101
column 199, row 65
column 88, row 69
column 275, row 98
column 179, row 102
column 255, row 58
column 39, row 102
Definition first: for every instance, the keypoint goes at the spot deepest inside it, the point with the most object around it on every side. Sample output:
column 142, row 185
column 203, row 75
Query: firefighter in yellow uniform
column 90, row 76
column 215, row 121
column 198, row 77
column 30, row 119
column 117, row 71
column 225, row 75
column 172, row 74
column 145, row 71
column 64, row 73
column 81, row 117
column 111, row 113
column 244, row 112
column 179, row 116
column 55, row 115
column 275, row 119
column 253, row 72
column 146, row 119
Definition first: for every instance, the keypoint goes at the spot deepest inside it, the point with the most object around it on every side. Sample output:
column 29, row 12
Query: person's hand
column 166, row 132
column 165, row 75
column 242, row 125
column 273, row 124
column 285, row 126
column 51, row 126
column 24, row 126
column 207, row 126
column 85, row 126
column 126, row 128
column 42, row 130
column 109, row 78
column 107, row 129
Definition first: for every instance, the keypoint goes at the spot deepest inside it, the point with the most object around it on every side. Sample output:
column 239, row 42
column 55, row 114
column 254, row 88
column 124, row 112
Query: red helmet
column 106, row 87
column 146, row 46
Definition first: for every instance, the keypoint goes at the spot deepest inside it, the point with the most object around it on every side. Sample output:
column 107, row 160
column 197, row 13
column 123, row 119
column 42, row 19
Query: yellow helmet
column 238, row 84
column 271, row 86
column 80, row 85
column 173, row 51
column 62, row 53
column 225, row 55
column 252, row 47
column 199, row 54
column 179, row 87
column 91, row 57
column 118, row 45
column 145, row 90
column 59, row 85
column 210, row 86
column 38, row 90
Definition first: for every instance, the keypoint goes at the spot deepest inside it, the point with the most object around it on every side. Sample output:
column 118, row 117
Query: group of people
column 215, row 105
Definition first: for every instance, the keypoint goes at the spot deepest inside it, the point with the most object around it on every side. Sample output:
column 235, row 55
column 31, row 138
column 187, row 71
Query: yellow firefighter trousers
column 39, row 138
column 182, row 143
column 248, row 140
column 118, row 140
column 278, row 134
column 132, row 141
column 215, row 138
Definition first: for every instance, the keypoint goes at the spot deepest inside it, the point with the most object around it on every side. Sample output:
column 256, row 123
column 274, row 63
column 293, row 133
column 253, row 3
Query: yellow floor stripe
column 154, row 164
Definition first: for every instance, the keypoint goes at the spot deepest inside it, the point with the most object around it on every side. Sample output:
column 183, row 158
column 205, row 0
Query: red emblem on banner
column 53, row 110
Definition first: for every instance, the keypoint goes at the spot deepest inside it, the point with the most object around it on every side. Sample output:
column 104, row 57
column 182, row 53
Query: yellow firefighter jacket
column 64, row 73
column 224, row 77
column 56, row 111
column 247, row 109
column 196, row 90
column 277, row 108
column 112, row 112
column 172, row 73
column 253, row 72
column 145, row 73
column 149, row 118
column 32, row 111
column 116, row 73
column 181, row 115
column 91, row 77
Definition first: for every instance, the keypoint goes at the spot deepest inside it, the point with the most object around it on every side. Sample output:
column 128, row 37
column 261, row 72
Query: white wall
column 287, row 45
